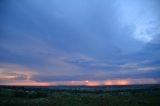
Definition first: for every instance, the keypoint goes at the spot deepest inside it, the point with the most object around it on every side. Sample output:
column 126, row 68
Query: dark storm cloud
column 149, row 54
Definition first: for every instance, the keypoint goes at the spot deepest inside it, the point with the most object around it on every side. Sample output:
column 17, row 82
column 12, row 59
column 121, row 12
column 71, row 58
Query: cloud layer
column 79, row 42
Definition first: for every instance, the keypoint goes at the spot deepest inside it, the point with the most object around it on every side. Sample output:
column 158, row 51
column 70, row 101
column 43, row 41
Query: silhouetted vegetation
column 144, row 95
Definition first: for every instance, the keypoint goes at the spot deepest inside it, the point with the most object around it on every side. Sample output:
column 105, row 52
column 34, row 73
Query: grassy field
column 141, row 95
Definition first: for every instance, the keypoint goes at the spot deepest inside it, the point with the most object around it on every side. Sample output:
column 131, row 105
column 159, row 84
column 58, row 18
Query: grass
column 11, row 96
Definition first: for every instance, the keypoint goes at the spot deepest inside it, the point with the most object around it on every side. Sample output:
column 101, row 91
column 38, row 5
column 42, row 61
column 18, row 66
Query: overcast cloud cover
column 76, row 42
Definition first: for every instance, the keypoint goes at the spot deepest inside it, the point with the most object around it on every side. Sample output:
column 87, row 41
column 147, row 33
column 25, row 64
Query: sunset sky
column 79, row 42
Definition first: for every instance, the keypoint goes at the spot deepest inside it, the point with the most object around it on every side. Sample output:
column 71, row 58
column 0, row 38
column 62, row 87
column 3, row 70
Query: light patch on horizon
column 87, row 83
column 108, row 82
column 116, row 82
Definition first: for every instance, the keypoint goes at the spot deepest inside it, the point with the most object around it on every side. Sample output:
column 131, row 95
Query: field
column 130, row 95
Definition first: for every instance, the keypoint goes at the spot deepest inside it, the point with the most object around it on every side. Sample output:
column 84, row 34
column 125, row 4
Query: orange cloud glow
column 116, row 82
column 92, row 83
column 29, row 82
column 25, row 83
column 7, row 76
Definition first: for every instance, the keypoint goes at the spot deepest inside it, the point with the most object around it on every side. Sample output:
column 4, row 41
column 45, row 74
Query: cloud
column 137, row 14
column 86, row 41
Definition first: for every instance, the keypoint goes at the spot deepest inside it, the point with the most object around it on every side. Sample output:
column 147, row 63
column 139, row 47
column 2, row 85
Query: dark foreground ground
column 133, row 95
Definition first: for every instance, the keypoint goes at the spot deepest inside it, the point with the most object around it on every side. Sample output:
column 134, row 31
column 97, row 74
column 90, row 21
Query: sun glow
column 116, row 82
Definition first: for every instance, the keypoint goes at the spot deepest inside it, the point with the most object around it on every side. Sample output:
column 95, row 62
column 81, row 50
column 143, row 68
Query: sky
column 79, row 42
